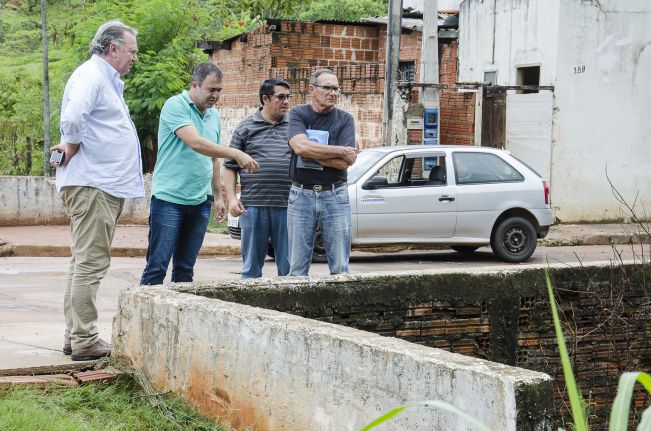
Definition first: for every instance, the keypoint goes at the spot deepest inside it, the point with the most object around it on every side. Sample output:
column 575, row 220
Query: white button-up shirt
column 94, row 115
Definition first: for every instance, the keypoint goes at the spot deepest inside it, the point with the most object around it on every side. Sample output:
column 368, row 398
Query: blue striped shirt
column 267, row 144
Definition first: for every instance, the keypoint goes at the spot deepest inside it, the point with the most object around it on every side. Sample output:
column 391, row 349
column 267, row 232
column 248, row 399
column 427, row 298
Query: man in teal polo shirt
column 186, row 180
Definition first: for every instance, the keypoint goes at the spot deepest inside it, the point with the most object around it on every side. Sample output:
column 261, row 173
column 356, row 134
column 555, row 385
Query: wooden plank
column 47, row 369
column 39, row 381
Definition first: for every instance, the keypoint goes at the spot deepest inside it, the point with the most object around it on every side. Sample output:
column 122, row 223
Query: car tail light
column 546, row 187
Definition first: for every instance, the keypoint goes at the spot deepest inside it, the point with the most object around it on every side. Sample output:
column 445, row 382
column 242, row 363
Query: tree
column 166, row 36
column 344, row 10
column 257, row 8
column 21, row 125
column 46, row 91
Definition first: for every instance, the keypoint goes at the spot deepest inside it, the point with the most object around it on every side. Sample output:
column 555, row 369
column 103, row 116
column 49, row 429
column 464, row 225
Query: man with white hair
column 101, row 167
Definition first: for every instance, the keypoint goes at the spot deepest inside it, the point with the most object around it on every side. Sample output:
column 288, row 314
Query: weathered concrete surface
column 34, row 201
column 275, row 371
column 128, row 241
column 498, row 314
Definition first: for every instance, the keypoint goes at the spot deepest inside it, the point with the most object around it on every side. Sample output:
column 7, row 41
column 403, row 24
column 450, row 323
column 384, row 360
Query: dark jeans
column 259, row 225
column 174, row 230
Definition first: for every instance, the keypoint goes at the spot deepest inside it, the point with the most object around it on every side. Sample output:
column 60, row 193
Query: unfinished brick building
column 356, row 51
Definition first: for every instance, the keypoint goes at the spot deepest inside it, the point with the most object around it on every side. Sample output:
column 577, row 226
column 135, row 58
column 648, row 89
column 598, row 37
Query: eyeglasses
column 328, row 88
column 282, row 97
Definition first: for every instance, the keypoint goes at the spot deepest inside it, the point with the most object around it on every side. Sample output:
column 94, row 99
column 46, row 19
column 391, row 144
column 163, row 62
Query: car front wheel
column 514, row 239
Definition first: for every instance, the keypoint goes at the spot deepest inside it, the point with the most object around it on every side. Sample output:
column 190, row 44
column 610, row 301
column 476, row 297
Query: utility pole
column 429, row 66
column 394, row 29
column 46, row 94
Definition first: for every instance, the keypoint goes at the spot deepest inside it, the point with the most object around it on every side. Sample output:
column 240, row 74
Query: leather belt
column 319, row 187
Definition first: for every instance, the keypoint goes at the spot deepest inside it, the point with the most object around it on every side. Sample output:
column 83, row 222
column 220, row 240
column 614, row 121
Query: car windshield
column 365, row 160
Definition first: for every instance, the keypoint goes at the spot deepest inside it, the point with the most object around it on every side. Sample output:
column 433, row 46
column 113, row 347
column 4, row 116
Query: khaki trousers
column 93, row 216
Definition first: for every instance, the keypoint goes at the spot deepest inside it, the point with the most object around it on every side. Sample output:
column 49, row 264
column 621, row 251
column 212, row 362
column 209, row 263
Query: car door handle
column 446, row 198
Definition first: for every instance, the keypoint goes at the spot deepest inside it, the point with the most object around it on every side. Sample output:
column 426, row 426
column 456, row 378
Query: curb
column 64, row 251
column 22, row 250
column 602, row 239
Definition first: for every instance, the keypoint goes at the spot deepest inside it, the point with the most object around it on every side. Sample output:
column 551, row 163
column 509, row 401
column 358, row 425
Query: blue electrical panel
column 431, row 126
column 430, row 133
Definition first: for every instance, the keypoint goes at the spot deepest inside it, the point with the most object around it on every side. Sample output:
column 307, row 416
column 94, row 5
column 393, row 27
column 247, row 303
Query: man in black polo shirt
column 262, row 206
column 322, row 139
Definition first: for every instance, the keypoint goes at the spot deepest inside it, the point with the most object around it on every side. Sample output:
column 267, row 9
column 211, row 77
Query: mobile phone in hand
column 57, row 157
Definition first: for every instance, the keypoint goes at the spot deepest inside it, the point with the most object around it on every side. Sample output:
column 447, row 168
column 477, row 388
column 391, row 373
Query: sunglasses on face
column 328, row 88
column 282, row 97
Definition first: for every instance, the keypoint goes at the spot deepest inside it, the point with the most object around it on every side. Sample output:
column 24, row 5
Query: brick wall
column 294, row 53
column 457, row 109
column 356, row 53
column 503, row 317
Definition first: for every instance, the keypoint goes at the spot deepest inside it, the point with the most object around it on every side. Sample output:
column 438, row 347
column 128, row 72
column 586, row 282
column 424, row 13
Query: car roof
column 394, row 148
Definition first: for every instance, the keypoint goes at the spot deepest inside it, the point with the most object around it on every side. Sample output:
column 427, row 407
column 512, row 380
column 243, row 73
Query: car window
column 426, row 169
column 414, row 170
column 392, row 170
column 473, row 168
column 364, row 161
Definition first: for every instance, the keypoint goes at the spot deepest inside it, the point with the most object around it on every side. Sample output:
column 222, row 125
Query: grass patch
column 214, row 227
column 120, row 406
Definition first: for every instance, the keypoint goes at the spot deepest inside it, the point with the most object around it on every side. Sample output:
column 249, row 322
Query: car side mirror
column 376, row 182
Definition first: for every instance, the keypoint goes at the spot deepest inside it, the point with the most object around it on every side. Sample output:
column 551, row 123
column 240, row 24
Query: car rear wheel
column 514, row 239
column 464, row 249
column 318, row 252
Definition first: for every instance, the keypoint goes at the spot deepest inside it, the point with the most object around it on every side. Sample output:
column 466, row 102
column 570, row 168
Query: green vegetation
column 168, row 30
column 621, row 406
column 441, row 405
column 343, row 10
column 120, row 406
column 619, row 414
column 215, row 227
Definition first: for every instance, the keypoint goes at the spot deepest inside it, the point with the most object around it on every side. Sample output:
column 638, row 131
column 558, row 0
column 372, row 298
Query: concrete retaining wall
column 274, row 371
column 26, row 201
column 501, row 315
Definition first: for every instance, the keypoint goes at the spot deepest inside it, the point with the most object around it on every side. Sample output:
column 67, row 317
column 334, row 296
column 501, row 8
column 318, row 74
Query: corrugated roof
column 408, row 23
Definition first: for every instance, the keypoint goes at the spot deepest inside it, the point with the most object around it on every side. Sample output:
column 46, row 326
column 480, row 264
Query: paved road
column 31, row 289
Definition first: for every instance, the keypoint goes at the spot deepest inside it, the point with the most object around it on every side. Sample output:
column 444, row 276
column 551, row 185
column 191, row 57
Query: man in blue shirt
column 187, row 168
column 262, row 206
column 322, row 139
column 101, row 168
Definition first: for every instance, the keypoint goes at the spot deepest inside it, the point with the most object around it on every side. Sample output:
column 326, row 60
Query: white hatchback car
column 463, row 197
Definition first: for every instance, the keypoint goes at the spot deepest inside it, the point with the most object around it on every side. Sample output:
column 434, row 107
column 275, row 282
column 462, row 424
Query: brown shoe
column 101, row 349
column 67, row 347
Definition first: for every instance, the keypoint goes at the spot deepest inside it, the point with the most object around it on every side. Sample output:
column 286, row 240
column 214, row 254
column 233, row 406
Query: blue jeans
column 174, row 230
column 259, row 224
column 331, row 211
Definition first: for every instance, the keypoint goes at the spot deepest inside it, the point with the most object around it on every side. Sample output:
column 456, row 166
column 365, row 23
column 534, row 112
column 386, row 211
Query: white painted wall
column 602, row 115
column 27, row 201
column 505, row 34
column 267, row 370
